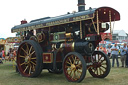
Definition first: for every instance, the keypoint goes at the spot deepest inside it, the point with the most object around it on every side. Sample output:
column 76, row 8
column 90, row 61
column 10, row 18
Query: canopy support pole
column 80, row 30
column 110, row 22
column 93, row 24
column 97, row 23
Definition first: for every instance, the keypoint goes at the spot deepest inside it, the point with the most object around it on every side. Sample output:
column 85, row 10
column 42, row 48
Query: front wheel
column 101, row 65
column 74, row 67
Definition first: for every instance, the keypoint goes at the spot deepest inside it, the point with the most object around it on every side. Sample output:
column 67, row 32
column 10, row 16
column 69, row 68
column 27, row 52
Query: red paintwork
column 106, row 36
column 103, row 13
column 47, row 57
column 23, row 22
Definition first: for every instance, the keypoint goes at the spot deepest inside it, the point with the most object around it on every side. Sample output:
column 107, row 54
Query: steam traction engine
column 65, row 44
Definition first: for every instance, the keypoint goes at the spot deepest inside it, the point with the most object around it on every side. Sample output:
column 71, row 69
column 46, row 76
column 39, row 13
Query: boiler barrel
column 80, row 47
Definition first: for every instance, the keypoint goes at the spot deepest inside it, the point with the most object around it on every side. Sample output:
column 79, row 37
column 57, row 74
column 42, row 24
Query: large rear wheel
column 29, row 58
column 74, row 67
column 101, row 65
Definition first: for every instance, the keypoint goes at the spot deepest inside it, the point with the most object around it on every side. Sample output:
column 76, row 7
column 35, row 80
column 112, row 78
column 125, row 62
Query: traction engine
column 65, row 44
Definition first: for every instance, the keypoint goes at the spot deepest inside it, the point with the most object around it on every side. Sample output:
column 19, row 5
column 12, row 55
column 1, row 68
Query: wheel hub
column 27, row 59
column 73, row 66
column 96, row 64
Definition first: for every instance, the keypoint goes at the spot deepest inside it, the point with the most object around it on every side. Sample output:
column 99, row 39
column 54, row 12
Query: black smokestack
column 81, row 5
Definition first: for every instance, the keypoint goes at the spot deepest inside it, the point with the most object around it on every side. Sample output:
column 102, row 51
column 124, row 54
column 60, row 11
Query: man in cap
column 123, row 55
column 115, row 51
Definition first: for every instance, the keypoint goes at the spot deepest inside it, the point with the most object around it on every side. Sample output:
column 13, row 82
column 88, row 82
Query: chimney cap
column 23, row 21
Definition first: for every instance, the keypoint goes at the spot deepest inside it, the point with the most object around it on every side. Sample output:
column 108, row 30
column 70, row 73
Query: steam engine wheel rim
column 74, row 67
column 29, row 60
column 101, row 65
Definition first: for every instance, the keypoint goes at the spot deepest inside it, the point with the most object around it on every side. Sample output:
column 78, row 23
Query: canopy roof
column 103, row 13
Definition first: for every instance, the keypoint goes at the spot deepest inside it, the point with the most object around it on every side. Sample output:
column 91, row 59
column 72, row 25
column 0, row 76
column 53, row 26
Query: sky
column 13, row 11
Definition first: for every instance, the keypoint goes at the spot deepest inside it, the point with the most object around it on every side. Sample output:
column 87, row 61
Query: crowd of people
column 123, row 55
column 2, row 55
column 115, row 52
column 11, row 55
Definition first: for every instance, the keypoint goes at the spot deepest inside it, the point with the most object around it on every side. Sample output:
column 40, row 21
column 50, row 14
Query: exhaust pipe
column 81, row 5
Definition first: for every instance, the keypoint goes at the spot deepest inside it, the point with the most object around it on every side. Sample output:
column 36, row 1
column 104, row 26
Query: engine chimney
column 81, row 5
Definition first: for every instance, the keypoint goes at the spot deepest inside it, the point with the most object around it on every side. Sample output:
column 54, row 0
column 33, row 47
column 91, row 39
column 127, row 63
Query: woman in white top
column 109, row 52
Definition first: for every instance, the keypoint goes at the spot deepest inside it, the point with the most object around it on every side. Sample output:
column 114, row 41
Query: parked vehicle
column 65, row 44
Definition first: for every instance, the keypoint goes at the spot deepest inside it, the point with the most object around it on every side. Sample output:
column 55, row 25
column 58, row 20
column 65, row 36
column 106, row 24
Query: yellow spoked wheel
column 74, row 67
column 29, row 58
column 101, row 65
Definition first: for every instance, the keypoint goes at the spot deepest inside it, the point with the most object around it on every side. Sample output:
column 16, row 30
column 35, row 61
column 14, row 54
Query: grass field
column 8, row 76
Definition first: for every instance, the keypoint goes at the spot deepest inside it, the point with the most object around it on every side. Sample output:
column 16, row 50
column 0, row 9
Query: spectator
column 109, row 51
column 10, row 54
column 115, row 50
column 127, row 57
column 14, row 54
column 104, row 50
column 123, row 55
column 1, row 56
column 100, row 48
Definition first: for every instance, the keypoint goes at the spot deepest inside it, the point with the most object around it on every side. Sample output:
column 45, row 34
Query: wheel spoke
column 73, row 75
column 68, row 66
column 33, row 68
column 24, row 50
column 32, row 53
column 97, row 70
column 74, row 60
column 103, row 67
column 79, row 72
column 94, row 58
column 103, row 63
column 33, row 58
column 30, row 69
column 68, row 63
column 30, row 49
column 27, row 47
column 33, row 63
column 23, row 63
column 69, row 70
column 22, row 56
column 26, row 69
column 70, row 60
column 102, row 70
column 79, row 65
column 70, row 73
column 99, row 59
